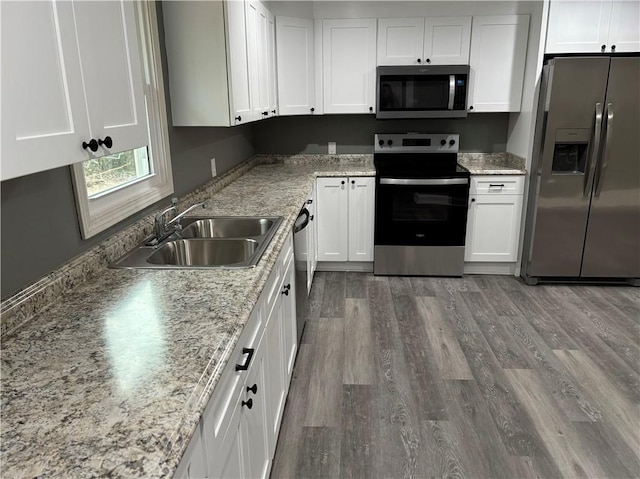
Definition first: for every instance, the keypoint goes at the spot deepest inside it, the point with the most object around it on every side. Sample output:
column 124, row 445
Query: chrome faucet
column 164, row 228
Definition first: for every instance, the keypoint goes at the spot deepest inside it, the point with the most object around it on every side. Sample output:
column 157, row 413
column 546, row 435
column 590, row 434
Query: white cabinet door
column 498, row 53
column 447, row 40
column 273, row 82
column 112, row 73
column 295, row 59
column 624, row 29
column 254, row 19
column 333, row 219
column 289, row 326
column 253, row 422
column 263, row 60
column 194, row 461
column 361, row 218
column 579, row 26
column 44, row 114
column 227, row 461
column 400, row 41
column 349, row 65
column 493, row 228
column 274, row 373
column 238, row 60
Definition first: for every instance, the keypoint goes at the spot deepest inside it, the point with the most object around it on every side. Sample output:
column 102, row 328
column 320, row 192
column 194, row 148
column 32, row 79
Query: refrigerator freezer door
column 612, row 245
column 573, row 108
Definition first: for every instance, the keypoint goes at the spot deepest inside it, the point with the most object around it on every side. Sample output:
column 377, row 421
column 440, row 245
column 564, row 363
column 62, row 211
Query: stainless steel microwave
column 422, row 91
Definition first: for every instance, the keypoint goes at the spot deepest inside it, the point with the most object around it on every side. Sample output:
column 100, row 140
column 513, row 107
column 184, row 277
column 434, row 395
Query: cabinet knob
column 312, row 110
column 265, row 113
column 371, row 108
column 239, row 118
column 353, row 182
column 249, row 352
column 428, row 60
column 311, row 217
column 285, row 289
column 471, row 107
column 273, row 111
column 92, row 145
column 248, row 403
column 472, row 200
column 419, row 61
column 613, row 48
column 253, row 389
column 603, row 48
column 107, row 142
column 309, row 201
column 342, row 182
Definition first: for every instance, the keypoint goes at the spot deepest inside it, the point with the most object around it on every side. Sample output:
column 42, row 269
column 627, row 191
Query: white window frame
column 105, row 210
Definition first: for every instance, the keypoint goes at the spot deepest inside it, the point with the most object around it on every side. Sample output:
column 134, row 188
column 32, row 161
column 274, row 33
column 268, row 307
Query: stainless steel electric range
column 421, row 205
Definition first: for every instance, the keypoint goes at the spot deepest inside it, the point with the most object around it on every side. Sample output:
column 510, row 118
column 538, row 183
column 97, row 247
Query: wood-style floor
column 480, row 377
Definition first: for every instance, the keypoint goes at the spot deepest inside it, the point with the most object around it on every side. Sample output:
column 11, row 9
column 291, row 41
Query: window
column 111, row 188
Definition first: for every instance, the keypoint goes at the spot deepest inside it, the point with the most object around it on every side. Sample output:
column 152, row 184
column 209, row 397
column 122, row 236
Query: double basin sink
column 207, row 242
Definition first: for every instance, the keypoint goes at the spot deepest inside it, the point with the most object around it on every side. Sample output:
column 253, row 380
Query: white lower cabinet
column 493, row 221
column 239, row 428
column 345, row 218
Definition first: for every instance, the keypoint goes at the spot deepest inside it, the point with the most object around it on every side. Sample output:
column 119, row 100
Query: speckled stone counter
column 112, row 379
column 492, row 163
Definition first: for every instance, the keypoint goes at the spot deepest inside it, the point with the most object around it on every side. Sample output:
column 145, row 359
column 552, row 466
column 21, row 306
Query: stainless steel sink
column 226, row 227
column 206, row 242
column 205, row 252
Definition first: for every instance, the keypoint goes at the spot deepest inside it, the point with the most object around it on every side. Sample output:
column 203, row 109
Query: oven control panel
column 416, row 143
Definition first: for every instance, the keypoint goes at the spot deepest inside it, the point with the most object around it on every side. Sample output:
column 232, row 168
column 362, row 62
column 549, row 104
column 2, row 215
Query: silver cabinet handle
column 426, row 182
column 602, row 167
column 595, row 149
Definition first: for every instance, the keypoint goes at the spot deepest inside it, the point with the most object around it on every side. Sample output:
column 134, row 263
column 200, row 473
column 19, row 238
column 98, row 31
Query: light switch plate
column 332, row 147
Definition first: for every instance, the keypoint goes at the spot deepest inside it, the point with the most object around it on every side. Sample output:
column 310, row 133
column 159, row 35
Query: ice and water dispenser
column 570, row 151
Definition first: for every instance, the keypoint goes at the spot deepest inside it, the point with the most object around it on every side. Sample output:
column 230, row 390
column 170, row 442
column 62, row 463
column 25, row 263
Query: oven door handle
column 424, row 182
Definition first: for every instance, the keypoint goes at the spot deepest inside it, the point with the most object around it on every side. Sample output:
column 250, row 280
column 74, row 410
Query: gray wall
column 479, row 132
column 39, row 224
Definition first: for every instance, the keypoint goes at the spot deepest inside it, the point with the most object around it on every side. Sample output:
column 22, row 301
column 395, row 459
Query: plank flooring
column 474, row 377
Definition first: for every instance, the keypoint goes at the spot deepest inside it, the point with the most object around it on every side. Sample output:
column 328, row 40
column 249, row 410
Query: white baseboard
column 507, row 269
column 362, row 267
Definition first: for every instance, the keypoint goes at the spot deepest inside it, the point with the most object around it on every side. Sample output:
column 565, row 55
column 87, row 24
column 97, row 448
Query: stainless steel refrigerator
column 583, row 217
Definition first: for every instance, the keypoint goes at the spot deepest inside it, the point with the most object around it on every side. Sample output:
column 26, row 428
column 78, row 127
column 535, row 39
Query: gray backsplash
column 479, row 132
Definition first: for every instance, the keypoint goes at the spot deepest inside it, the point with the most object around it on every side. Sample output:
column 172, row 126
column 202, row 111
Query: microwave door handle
column 452, row 91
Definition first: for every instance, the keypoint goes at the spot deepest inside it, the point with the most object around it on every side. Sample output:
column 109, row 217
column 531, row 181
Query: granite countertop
column 112, row 380
column 492, row 163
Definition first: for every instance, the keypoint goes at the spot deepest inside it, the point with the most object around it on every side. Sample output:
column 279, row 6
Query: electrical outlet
column 332, row 147
column 214, row 171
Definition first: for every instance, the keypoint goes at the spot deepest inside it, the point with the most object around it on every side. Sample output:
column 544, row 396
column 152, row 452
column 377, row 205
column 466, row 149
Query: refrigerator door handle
column 602, row 167
column 594, row 151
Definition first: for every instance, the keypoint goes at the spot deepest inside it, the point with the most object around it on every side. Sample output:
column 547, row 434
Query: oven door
column 421, row 212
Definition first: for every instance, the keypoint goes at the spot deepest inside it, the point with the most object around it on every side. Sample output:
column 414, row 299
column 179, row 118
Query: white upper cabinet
column 624, row 31
column 431, row 40
column 593, row 26
column 446, row 40
column 221, row 70
column 231, row 107
column 63, row 85
column 497, row 61
column 112, row 73
column 273, row 82
column 349, row 65
column 295, row 61
column 400, row 41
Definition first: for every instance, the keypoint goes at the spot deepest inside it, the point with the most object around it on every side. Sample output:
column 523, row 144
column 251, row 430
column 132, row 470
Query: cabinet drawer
column 218, row 412
column 497, row 185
